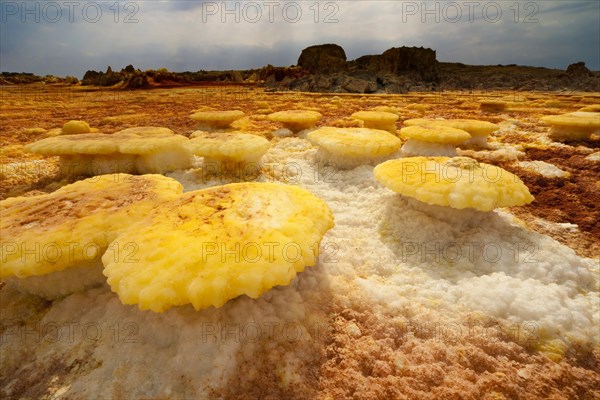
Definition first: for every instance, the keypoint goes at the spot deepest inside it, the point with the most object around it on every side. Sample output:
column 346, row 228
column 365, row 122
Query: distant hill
column 12, row 78
column 324, row 68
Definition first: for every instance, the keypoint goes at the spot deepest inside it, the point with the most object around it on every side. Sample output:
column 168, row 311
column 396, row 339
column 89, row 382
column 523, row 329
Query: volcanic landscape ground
column 374, row 324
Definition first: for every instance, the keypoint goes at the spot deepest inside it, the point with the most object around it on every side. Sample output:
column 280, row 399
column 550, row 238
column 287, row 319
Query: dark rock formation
column 128, row 77
column 403, row 69
column 418, row 62
column 578, row 69
column 90, row 77
column 326, row 70
column 323, row 59
column 20, row 77
column 132, row 78
column 353, row 84
column 278, row 74
column 456, row 76
column 107, row 78
column 71, row 80
column 12, row 78
column 136, row 81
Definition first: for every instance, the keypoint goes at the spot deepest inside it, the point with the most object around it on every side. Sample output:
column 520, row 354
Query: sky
column 70, row 37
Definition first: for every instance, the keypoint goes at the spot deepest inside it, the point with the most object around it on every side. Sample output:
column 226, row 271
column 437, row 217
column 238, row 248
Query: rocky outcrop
column 416, row 62
column 278, row 74
column 326, row 70
column 323, row 59
column 12, row 78
column 403, row 69
column 578, row 69
column 107, row 78
column 132, row 78
column 358, row 85
column 136, row 81
column 457, row 76
column 128, row 77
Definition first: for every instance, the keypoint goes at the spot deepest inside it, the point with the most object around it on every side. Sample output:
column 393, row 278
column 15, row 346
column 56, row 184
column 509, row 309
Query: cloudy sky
column 70, row 37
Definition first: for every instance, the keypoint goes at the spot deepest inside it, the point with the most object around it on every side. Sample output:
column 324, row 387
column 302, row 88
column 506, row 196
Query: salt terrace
column 349, row 290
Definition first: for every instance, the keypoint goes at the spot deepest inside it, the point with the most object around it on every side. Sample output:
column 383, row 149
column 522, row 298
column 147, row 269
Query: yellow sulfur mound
column 591, row 108
column 358, row 142
column 146, row 131
column 472, row 126
column 74, row 225
column 350, row 147
column 492, row 106
column 458, row 182
column 579, row 125
column 435, row 134
column 158, row 153
column 98, row 153
column 296, row 120
column 212, row 245
column 578, row 119
column 479, row 130
column 75, row 127
column 234, row 145
column 86, row 143
column 262, row 105
column 432, row 140
column 225, row 153
column 217, row 119
column 378, row 120
column 86, row 154
column 151, row 144
column 34, row 131
column 388, row 109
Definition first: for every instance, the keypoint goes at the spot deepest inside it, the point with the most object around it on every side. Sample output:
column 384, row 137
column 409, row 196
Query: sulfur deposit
column 442, row 277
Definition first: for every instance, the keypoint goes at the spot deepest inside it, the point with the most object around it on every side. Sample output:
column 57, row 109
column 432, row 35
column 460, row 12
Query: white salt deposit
column 282, row 132
column 341, row 162
column 495, row 152
column 594, row 157
column 480, row 141
column 32, row 169
column 543, row 168
column 414, row 148
column 393, row 255
column 59, row 284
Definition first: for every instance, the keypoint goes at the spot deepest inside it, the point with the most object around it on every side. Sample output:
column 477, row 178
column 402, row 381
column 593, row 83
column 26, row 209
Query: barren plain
column 515, row 317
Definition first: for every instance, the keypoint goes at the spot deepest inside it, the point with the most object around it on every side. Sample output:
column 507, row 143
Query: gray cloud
column 179, row 36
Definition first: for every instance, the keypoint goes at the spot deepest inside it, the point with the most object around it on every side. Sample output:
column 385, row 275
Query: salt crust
column 25, row 170
column 543, row 168
column 62, row 283
column 414, row 148
column 594, row 157
column 380, row 246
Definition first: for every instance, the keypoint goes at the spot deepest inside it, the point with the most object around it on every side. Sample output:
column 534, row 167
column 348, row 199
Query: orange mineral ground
column 400, row 305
